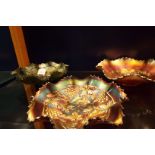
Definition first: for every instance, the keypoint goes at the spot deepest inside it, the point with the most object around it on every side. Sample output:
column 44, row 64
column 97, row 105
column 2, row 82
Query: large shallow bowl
column 41, row 73
column 128, row 71
column 72, row 102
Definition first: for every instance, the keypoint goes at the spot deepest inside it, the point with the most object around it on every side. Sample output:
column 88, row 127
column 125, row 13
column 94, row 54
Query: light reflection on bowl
column 128, row 71
column 72, row 102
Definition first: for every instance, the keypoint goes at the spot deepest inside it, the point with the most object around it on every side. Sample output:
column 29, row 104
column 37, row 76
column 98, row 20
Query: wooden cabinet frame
column 20, row 49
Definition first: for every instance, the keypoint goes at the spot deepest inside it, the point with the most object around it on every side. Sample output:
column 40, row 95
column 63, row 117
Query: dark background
column 7, row 55
column 80, row 47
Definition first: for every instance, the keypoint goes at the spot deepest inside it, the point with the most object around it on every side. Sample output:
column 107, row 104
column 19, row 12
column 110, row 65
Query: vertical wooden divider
column 18, row 40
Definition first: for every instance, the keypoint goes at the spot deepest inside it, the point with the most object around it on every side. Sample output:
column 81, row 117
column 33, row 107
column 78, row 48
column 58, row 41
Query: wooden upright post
column 21, row 53
column 19, row 45
column 22, row 59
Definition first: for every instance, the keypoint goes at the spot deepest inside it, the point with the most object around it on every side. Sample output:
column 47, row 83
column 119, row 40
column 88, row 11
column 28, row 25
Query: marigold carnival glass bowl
column 72, row 102
column 41, row 73
column 128, row 71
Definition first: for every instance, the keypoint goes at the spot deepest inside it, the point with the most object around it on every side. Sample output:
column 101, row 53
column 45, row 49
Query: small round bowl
column 72, row 102
column 128, row 71
column 41, row 73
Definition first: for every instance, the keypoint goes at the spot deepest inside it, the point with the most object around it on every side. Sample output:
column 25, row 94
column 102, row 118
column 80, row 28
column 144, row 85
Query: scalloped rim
column 37, row 76
column 89, row 77
column 130, row 74
column 120, row 90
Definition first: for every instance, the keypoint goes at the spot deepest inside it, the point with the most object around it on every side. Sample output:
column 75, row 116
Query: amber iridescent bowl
column 72, row 102
column 128, row 71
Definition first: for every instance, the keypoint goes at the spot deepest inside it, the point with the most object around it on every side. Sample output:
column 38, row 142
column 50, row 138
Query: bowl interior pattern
column 129, row 69
column 72, row 102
